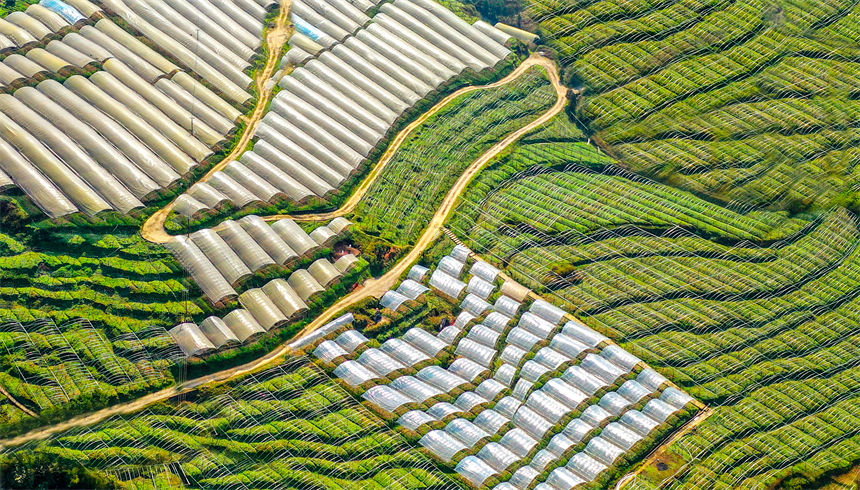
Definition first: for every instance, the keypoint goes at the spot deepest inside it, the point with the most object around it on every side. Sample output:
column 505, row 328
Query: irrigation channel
column 153, row 229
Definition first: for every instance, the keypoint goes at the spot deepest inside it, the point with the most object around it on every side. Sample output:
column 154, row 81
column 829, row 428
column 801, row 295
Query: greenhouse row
column 39, row 23
column 519, row 377
column 275, row 304
column 219, row 259
column 215, row 39
column 356, row 82
column 125, row 122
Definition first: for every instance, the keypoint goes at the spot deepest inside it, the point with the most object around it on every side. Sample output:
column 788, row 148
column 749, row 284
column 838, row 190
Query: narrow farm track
column 153, row 229
column 660, row 451
column 404, row 134
column 370, row 288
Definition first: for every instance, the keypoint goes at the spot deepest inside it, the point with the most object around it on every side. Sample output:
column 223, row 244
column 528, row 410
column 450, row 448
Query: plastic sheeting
column 251, row 253
column 602, row 450
column 475, row 470
column 505, row 374
column 380, row 362
column 243, row 324
column 442, row 444
column 351, row 340
column 563, row 393
column 403, row 352
column 415, row 389
column 451, row 266
column 564, row 478
column 469, row 400
column 583, row 334
column 518, row 442
column 481, row 354
column 521, row 478
column 285, row 298
column 602, row 368
column 447, row 284
column 424, row 341
column 633, row 391
column 295, row 236
column 675, row 397
column 639, row 422
column 577, row 430
column 483, row 335
column 490, row 389
column 522, row 338
column 412, row 289
column 261, row 306
column 443, row 410
column 475, row 305
column 354, row 373
column 497, row 321
column 532, row 422
column 567, row 345
column 205, row 274
column 658, row 410
column 415, row 419
column 583, row 380
column 614, row 403
column 467, row 369
column 68, row 12
column 441, row 378
column 585, row 466
column 388, row 399
column 595, row 415
column 491, row 421
column 305, row 285
column 191, row 340
column 328, row 351
column 392, row 300
column 536, row 325
column 507, row 306
column 218, row 332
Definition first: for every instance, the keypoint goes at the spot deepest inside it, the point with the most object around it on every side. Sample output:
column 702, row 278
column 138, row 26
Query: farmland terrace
column 360, row 244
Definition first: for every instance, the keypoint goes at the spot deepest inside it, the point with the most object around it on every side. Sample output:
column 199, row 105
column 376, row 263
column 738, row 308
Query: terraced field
column 49, row 372
column 118, row 280
column 752, row 313
column 286, row 427
column 751, row 102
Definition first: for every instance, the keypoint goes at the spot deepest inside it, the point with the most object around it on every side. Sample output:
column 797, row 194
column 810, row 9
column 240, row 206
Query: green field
column 50, row 372
column 286, row 427
column 399, row 205
column 117, row 280
column 750, row 102
column 755, row 314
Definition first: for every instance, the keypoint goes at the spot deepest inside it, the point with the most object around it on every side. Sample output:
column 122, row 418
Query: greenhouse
column 527, row 392
column 311, row 140
column 162, row 123
column 238, row 249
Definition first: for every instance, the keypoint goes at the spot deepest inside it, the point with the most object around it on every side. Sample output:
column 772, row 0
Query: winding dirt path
column 370, row 288
column 153, row 229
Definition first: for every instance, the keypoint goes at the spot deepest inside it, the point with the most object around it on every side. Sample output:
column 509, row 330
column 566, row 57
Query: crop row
column 653, row 278
column 53, row 371
column 289, row 425
column 399, row 204
column 649, row 32
column 737, row 326
column 118, row 281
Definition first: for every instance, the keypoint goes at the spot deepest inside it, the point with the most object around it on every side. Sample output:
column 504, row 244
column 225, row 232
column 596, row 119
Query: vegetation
column 49, row 373
column 118, row 280
column 751, row 102
column 287, row 426
column 400, row 203
column 754, row 313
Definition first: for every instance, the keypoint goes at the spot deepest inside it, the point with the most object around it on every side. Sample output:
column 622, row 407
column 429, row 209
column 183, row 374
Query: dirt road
column 276, row 37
